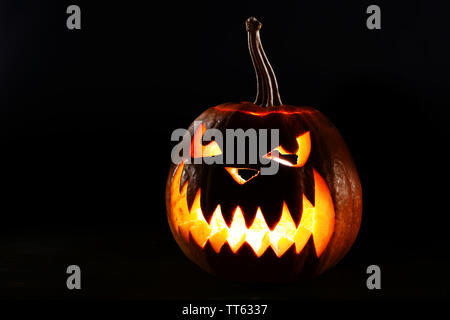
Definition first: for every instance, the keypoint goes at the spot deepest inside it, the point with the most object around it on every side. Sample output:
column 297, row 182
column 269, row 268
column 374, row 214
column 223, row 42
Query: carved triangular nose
column 242, row 175
column 247, row 174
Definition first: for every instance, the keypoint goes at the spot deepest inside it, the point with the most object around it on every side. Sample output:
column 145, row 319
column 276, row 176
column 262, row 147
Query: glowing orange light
column 302, row 153
column 198, row 150
column 262, row 113
column 317, row 221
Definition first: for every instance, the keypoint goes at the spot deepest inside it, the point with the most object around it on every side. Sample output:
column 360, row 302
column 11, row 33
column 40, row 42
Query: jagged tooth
column 272, row 211
column 283, row 245
column 195, row 211
column 282, row 237
column 217, row 222
column 200, row 232
column 218, row 239
column 238, row 244
column 237, row 230
column 308, row 215
column 286, row 226
column 301, row 238
column 219, row 230
column 199, row 228
column 258, row 234
column 265, row 243
column 279, row 243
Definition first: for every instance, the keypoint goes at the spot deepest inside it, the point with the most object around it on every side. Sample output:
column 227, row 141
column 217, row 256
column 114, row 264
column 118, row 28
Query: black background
column 86, row 118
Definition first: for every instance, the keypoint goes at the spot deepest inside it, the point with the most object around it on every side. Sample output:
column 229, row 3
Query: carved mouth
column 316, row 221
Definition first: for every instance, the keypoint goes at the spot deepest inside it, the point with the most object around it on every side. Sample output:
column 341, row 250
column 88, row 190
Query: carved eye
column 297, row 159
column 242, row 175
column 198, row 150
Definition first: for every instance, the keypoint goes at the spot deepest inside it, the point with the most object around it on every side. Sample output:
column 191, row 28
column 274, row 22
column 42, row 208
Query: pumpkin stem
column 267, row 94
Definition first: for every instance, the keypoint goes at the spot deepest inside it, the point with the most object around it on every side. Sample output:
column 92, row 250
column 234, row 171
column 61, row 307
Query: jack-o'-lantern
column 237, row 223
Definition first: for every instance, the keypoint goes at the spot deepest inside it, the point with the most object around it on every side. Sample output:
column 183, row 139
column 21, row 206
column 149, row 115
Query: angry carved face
column 221, row 212
column 234, row 205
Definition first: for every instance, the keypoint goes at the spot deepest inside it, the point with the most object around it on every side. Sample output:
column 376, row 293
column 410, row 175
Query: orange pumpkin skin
column 329, row 157
column 293, row 224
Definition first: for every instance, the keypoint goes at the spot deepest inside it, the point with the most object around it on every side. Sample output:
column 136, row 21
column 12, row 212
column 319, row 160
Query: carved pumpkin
column 234, row 222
